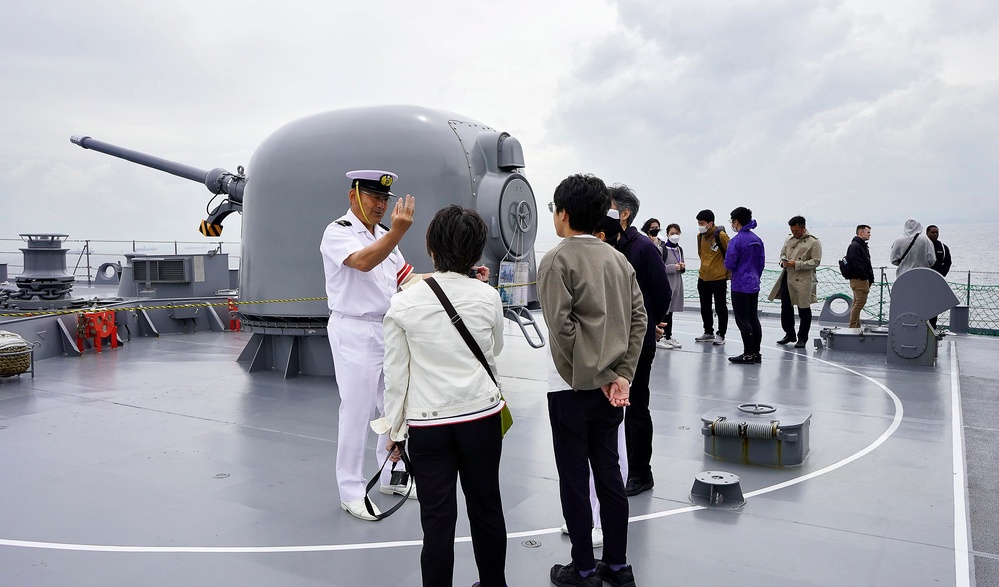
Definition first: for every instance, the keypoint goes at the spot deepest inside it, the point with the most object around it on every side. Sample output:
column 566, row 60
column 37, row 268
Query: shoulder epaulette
column 343, row 222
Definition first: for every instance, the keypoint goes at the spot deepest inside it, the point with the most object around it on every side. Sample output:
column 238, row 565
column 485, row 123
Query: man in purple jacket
column 745, row 258
column 650, row 270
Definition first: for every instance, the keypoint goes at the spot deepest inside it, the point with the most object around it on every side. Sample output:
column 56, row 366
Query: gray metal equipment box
column 757, row 434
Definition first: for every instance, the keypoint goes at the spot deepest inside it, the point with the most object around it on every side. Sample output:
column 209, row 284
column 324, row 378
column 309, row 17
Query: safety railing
column 979, row 290
column 85, row 256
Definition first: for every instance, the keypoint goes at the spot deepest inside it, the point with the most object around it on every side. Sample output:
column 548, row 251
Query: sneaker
column 719, row 340
column 568, row 576
column 596, row 536
column 637, row 485
column 743, row 359
column 664, row 344
column 706, row 337
column 757, row 358
column 624, row 577
column 400, row 489
column 356, row 508
column 676, row 344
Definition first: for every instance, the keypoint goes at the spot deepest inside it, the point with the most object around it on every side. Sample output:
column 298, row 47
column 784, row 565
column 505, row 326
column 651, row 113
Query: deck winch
column 756, row 434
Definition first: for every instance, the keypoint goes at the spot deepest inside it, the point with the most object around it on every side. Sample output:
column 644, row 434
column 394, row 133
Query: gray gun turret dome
column 296, row 186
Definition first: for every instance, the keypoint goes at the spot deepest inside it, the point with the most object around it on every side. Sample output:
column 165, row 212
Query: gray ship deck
column 163, row 463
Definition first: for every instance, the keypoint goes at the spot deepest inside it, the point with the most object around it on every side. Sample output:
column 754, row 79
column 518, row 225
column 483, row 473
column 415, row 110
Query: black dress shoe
column 800, row 344
column 568, row 576
column 624, row 577
column 787, row 338
column 638, row 485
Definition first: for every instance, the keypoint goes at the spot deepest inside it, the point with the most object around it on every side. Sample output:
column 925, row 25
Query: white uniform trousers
column 623, row 461
column 358, row 348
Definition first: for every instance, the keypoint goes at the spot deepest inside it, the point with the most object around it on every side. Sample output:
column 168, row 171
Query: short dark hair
column 455, row 239
column 625, row 199
column 861, row 227
column 673, row 225
column 932, row 226
column 648, row 225
column 585, row 199
column 796, row 221
column 611, row 227
column 742, row 215
column 705, row 216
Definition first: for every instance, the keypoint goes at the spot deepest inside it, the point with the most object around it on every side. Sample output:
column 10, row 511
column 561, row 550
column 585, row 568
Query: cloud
column 784, row 106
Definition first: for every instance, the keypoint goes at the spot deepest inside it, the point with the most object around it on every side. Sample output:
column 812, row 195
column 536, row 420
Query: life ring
column 105, row 325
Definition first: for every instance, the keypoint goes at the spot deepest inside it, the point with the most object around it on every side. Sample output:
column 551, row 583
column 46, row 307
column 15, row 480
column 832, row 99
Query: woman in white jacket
column 441, row 402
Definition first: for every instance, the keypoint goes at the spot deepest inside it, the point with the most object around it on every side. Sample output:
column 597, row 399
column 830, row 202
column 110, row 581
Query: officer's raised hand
column 402, row 214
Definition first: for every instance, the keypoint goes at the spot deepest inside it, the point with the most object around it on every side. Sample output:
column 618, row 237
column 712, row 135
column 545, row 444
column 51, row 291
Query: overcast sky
column 844, row 111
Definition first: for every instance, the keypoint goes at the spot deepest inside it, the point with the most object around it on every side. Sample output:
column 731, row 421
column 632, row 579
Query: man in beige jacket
column 800, row 257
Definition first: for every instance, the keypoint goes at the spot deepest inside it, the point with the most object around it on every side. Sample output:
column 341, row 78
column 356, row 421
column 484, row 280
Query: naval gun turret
column 218, row 180
column 295, row 185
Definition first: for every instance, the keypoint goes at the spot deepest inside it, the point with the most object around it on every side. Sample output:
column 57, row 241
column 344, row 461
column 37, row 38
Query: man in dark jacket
column 942, row 265
column 860, row 271
column 650, row 270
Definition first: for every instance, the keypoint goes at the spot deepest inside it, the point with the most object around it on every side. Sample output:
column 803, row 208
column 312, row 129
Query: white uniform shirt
column 352, row 292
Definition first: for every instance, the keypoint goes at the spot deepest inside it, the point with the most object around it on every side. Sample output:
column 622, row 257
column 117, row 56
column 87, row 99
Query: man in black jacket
column 860, row 271
column 942, row 264
column 650, row 271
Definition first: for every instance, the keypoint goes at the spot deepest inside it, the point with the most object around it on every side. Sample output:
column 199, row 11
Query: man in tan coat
column 799, row 257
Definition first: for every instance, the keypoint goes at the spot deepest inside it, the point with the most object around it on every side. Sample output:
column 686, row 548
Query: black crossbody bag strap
column 374, row 481
column 908, row 248
column 460, row 325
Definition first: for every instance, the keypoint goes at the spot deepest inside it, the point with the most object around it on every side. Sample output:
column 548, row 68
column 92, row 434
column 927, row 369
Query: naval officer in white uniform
column 364, row 268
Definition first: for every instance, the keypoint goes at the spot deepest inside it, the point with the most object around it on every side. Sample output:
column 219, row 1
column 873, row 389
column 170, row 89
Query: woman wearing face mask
column 651, row 228
column 675, row 267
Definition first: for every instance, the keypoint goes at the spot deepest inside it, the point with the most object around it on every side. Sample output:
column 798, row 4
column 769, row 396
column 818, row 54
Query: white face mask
column 702, row 229
column 674, row 238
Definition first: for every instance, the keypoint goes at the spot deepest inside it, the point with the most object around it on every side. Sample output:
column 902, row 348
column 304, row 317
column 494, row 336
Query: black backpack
column 844, row 267
column 718, row 230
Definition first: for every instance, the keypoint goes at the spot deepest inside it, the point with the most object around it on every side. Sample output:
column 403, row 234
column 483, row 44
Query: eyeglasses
column 551, row 207
column 383, row 198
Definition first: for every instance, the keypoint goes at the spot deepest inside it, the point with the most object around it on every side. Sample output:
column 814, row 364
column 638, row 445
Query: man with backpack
column 712, row 277
column 856, row 267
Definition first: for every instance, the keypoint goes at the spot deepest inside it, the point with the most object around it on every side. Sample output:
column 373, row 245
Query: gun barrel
column 218, row 181
column 171, row 167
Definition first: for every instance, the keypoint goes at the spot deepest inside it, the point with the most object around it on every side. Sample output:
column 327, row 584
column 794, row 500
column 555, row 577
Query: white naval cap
column 373, row 180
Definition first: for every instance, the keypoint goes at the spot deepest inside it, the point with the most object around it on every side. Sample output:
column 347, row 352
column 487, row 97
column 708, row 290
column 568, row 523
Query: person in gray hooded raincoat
column 913, row 249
